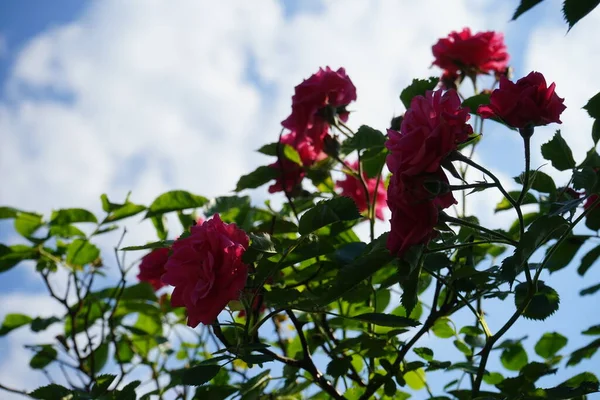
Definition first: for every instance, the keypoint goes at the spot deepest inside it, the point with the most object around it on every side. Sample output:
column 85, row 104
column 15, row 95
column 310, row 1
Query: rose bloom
column 206, row 269
column 590, row 200
column 481, row 53
column 293, row 173
column 353, row 188
column 327, row 91
column 414, row 210
column 152, row 267
column 431, row 129
column 528, row 102
column 413, row 220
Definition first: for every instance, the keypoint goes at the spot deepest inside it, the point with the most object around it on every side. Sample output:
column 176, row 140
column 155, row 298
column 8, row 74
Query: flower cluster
column 316, row 105
column 353, row 187
column 205, row 268
column 432, row 128
column 464, row 54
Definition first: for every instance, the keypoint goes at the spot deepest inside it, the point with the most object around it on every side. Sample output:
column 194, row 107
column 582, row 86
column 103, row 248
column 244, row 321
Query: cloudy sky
column 148, row 96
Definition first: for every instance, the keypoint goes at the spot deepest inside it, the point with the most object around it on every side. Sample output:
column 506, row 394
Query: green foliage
column 557, row 151
column 524, row 6
column 418, row 87
column 541, row 305
column 175, row 200
column 575, row 10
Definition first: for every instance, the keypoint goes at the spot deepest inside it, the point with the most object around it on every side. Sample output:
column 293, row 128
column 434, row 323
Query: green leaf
column 539, row 181
column 514, row 357
column 463, row 348
column 373, row 161
column 101, row 384
column 544, row 303
column 99, row 358
column 81, row 252
column 424, row 352
column 493, row 378
column 596, row 131
column 579, row 385
column 415, row 379
column 291, row 154
column 175, row 200
column 40, row 324
column 27, row 223
column 13, row 321
column 125, row 211
column 505, row 204
column 550, row 344
column 525, row 5
column 592, row 330
column 442, row 328
column 374, row 258
column 262, row 242
column 590, row 290
column 66, row 231
column 214, row 392
column 71, row 216
column 565, row 253
column 327, row 212
column 418, row 87
column 588, row 260
column 389, row 320
column 364, row 138
column 43, row 357
column 474, row 102
column 8, row 212
column 585, row 352
column 585, row 178
column 154, row 245
column 12, row 255
column 257, row 178
column 50, row 392
column 269, row 149
column 199, row 374
column 573, row 11
column 557, row 151
column 338, row 367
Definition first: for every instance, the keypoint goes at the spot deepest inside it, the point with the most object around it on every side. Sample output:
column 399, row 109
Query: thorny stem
column 458, row 221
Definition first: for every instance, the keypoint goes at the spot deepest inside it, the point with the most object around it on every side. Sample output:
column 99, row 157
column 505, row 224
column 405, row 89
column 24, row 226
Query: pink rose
column 318, row 98
column 431, row 129
column 152, row 267
column 528, row 102
column 206, row 269
column 481, row 53
column 353, row 188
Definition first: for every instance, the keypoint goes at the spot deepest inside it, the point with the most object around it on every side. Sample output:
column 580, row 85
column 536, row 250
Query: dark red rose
column 431, row 129
column 528, row 102
column 353, row 188
column 292, row 172
column 590, row 201
column 413, row 220
column 481, row 53
column 415, row 209
column 206, row 269
column 152, row 267
column 448, row 80
column 316, row 100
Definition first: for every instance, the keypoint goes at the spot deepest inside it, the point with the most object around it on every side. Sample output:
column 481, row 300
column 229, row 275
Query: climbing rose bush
column 311, row 293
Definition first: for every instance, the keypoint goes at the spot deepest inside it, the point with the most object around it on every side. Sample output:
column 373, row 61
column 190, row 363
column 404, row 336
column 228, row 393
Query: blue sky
column 107, row 97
